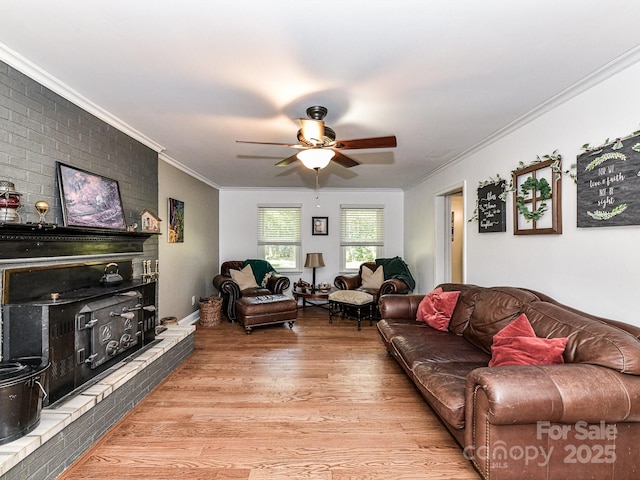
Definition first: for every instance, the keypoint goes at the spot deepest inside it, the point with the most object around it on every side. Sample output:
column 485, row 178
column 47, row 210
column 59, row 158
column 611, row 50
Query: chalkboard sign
column 609, row 185
column 491, row 208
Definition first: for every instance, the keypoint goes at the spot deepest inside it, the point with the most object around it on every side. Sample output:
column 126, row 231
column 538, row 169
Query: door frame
column 442, row 260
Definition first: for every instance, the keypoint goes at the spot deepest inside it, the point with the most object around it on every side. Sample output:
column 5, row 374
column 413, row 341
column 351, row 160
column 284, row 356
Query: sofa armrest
column 348, row 282
column 278, row 283
column 566, row 393
column 393, row 286
column 399, row 306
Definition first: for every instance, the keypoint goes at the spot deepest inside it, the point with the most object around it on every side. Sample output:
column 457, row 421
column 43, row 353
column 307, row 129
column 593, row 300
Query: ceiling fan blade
column 374, row 142
column 293, row 145
column 287, row 161
column 343, row 160
column 312, row 130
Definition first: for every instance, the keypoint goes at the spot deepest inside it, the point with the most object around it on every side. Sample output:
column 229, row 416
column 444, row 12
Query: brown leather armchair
column 354, row 282
column 230, row 291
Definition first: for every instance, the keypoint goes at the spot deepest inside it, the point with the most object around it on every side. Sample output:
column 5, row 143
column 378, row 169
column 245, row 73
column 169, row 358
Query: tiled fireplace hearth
column 73, row 424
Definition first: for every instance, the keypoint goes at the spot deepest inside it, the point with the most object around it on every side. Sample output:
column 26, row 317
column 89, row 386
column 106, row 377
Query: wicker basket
column 210, row 311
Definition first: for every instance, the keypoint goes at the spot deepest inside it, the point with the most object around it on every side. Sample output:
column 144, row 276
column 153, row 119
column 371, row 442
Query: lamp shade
column 314, row 260
column 313, row 158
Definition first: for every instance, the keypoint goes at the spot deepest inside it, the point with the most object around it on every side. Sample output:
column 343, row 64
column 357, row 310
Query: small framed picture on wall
column 320, row 226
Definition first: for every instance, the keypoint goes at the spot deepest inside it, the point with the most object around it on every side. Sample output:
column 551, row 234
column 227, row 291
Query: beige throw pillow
column 244, row 278
column 371, row 279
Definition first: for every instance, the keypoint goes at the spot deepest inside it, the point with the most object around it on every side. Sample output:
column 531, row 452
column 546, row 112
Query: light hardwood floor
column 319, row 401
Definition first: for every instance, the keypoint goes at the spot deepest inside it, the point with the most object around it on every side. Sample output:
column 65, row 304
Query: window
column 361, row 235
column 279, row 236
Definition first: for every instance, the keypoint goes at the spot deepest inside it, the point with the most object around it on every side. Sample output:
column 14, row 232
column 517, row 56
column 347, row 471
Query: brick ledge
column 69, row 428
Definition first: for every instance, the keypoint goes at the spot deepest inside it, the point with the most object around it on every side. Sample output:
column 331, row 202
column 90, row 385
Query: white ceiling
column 443, row 76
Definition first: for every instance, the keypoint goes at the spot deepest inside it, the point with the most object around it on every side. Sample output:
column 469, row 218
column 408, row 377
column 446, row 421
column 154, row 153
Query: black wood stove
column 82, row 331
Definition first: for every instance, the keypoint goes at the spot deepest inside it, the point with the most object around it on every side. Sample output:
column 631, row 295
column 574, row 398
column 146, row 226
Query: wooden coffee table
column 316, row 299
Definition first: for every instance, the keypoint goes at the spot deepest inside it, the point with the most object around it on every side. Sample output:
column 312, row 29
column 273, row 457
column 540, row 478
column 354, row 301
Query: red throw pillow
column 517, row 344
column 436, row 308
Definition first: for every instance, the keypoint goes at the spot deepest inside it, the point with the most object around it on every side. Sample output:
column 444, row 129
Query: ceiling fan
column 318, row 145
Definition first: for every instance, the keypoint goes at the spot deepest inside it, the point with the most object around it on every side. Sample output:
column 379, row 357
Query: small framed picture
column 320, row 226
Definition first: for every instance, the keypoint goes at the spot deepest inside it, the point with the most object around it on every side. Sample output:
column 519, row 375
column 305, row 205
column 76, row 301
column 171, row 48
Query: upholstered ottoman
column 344, row 302
column 266, row 310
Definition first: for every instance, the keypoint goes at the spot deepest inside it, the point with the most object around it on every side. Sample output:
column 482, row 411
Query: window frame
column 345, row 243
column 262, row 243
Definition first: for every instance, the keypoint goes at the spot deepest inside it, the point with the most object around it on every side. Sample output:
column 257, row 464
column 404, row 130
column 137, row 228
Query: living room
column 592, row 269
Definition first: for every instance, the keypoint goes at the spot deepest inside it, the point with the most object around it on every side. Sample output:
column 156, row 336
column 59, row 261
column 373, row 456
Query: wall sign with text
column 609, row 185
column 492, row 215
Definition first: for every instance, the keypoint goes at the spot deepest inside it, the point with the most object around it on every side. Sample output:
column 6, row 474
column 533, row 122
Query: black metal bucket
column 21, row 395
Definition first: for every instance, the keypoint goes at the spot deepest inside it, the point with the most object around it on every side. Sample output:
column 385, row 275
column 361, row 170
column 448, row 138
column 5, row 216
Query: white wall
column 239, row 221
column 592, row 269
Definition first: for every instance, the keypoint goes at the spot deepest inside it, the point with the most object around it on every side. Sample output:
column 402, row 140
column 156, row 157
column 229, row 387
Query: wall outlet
column 193, row 300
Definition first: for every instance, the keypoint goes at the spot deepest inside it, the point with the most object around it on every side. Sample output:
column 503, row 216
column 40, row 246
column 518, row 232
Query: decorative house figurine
column 150, row 221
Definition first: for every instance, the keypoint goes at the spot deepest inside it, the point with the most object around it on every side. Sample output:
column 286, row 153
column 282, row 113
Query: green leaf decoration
column 603, row 158
column 533, row 185
column 602, row 215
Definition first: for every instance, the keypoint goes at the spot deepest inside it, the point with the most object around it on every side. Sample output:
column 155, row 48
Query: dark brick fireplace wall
column 39, row 127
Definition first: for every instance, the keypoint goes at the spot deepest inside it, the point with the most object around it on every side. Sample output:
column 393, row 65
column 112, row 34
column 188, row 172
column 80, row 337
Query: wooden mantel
column 36, row 240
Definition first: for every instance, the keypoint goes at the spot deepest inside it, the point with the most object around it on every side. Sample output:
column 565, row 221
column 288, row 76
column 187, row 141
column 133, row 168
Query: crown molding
column 615, row 66
column 175, row 163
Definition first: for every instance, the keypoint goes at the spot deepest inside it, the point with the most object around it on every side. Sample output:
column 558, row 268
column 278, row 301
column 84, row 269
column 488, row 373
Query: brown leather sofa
column 230, row 291
column 354, row 282
column 579, row 419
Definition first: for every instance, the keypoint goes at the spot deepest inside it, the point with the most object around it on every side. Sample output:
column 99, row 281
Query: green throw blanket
column 262, row 270
column 396, row 268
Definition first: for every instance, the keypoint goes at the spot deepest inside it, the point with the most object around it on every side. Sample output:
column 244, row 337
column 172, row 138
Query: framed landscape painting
column 89, row 200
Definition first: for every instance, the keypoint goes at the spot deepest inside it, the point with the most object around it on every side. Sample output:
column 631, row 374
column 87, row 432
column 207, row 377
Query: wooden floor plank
column 317, row 402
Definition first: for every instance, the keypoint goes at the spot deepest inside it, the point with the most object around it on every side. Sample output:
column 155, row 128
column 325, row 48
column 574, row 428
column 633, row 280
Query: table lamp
column 314, row 260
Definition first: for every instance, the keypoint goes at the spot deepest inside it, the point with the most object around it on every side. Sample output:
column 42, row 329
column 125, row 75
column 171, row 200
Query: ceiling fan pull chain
column 317, row 188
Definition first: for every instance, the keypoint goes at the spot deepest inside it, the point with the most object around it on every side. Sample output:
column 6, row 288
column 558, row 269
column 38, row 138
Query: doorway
column 451, row 235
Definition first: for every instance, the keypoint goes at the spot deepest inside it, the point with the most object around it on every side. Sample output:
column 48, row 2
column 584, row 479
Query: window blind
column 279, row 225
column 361, row 225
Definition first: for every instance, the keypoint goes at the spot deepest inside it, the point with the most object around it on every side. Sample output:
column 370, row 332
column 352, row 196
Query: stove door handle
column 128, row 315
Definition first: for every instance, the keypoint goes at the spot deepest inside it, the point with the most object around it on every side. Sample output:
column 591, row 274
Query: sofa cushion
column 244, row 278
column 443, row 386
column 464, row 307
column 436, row 308
column 591, row 340
column 517, row 344
column 423, row 344
column 371, row 279
column 494, row 309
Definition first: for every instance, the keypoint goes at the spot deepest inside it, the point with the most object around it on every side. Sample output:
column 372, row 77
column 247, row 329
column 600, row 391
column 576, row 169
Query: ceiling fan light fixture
column 315, row 158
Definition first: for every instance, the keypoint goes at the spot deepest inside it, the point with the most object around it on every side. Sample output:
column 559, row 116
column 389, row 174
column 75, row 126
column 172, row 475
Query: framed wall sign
column 492, row 213
column 609, row 184
column 320, row 226
column 537, row 199
column 88, row 199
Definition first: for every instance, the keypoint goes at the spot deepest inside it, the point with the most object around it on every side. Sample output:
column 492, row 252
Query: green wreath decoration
column 541, row 186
